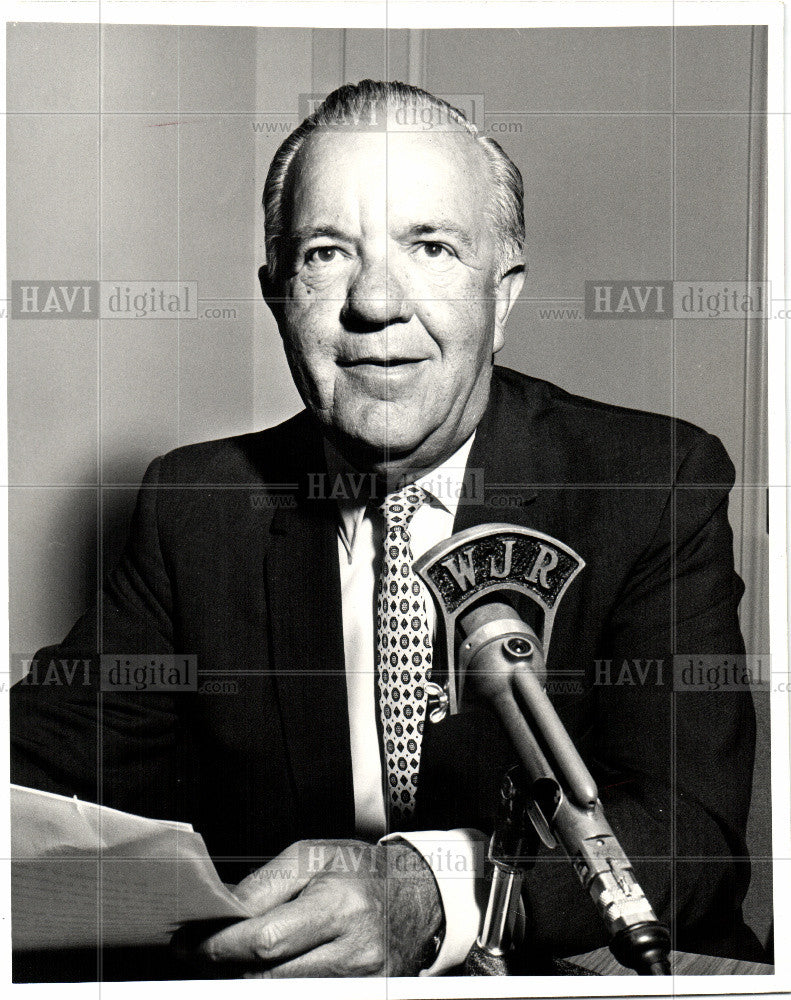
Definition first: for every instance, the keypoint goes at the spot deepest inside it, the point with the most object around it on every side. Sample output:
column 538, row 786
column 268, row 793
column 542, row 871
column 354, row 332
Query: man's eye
column 436, row 251
column 321, row 255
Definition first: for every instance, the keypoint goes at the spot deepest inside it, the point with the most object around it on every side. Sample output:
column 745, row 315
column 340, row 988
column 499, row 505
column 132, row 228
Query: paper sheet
column 83, row 874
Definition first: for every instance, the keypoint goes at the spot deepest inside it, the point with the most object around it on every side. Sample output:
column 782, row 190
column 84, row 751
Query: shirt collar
column 444, row 485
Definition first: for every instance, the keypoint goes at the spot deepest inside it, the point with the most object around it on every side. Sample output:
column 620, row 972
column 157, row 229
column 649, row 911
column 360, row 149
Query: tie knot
column 398, row 508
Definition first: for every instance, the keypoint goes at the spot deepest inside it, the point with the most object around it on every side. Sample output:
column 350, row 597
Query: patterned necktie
column 403, row 649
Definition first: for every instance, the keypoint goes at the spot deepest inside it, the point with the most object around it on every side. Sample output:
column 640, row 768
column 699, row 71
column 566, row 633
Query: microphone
column 503, row 659
column 469, row 575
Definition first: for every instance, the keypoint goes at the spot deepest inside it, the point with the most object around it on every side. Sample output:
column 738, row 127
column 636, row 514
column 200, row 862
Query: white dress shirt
column 452, row 854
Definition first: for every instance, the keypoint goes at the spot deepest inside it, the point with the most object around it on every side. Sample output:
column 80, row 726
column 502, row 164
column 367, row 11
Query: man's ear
column 270, row 292
column 506, row 292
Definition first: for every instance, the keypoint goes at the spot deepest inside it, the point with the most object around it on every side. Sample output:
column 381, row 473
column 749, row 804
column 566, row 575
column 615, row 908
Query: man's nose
column 376, row 298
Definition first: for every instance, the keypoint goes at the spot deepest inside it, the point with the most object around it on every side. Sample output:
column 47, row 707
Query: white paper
column 84, row 874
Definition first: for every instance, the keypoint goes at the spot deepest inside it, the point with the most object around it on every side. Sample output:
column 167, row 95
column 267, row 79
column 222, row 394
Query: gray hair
column 365, row 102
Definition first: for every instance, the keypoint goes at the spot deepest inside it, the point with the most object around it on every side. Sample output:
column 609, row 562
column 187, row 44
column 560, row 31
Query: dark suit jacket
column 251, row 587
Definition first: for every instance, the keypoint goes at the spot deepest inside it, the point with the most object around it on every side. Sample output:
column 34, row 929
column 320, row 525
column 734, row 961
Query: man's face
column 392, row 307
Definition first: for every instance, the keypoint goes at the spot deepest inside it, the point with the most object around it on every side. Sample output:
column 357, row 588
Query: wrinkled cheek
column 313, row 367
column 315, row 378
column 478, row 327
column 464, row 327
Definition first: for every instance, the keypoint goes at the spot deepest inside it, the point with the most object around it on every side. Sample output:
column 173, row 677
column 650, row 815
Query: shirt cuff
column 456, row 858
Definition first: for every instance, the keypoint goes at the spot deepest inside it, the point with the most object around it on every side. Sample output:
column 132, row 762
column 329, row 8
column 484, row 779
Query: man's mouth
column 383, row 377
column 378, row 362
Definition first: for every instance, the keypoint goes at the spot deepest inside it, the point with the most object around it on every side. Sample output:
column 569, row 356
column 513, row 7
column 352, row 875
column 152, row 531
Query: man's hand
column 333, row 908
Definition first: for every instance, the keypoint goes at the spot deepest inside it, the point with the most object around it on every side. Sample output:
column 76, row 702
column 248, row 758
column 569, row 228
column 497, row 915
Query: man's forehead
column 404, row 171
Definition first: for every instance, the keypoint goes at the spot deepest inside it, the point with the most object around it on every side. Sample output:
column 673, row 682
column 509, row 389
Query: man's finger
column 290, row 929
column 333, row 960
column 276, row 882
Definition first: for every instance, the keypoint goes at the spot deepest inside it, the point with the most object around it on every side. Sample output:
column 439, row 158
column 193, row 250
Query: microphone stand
column 512, row 853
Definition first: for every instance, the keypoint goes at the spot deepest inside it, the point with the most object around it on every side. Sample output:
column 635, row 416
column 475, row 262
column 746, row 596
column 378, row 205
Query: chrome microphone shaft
column 498, row 923
column 512, row 852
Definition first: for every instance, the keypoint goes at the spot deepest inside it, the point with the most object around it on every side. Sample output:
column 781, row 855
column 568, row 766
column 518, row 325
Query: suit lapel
column 304, row 601
column 528, row 477
column 505, row 450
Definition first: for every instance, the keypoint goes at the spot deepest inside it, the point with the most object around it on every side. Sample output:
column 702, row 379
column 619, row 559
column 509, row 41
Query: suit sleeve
column 77, row 739
column 674, row 767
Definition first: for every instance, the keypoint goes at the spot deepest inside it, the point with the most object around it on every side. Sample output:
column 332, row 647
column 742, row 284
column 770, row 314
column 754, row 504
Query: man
column 394, row 258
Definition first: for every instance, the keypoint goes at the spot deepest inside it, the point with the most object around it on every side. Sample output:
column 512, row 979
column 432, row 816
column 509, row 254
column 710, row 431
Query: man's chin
column 373, row 429
column 374, row 455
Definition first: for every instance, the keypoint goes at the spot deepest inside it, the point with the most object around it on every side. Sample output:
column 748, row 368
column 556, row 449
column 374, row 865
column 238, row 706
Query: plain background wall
column 139, row 153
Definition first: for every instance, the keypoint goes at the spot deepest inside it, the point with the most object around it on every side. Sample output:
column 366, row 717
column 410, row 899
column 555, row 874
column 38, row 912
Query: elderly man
column 394, row 258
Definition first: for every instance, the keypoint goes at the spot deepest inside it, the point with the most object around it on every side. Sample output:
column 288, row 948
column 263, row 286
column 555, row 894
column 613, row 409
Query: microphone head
column 489, row 564
column 497, row 643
